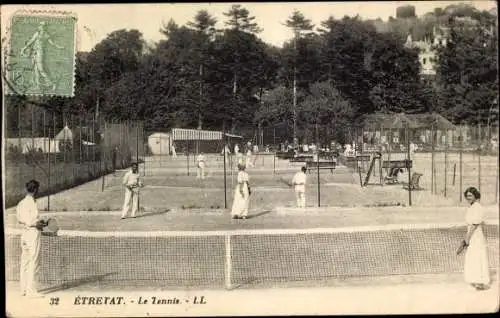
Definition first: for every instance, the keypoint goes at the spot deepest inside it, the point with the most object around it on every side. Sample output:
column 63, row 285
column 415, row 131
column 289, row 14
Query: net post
column 227, row 263
column 454, row 173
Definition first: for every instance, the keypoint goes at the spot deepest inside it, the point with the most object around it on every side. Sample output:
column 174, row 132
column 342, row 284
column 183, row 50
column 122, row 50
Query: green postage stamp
column 41, row 54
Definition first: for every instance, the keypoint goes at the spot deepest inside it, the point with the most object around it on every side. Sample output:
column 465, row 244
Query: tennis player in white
column 132, row 182
column 201, row 166
column 27, row 216
column 174, row 152
column 299, row 183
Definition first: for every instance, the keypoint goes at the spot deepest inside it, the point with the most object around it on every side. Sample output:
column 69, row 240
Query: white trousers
column 201, row 171
column 130, row 198
column 30, row 260
column 300, row 195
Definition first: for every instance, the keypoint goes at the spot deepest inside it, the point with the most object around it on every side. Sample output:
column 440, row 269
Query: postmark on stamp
column 41, row 54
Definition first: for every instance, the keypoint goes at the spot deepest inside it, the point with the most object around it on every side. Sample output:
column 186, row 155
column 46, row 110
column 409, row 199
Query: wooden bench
column 414, row 183
column 397, row 164
column 328, row 155
column 313, row 165
column 285, row 155
column 301, row 158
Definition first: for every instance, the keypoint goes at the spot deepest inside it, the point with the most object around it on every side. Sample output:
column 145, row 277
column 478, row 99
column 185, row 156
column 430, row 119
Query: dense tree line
column 199, row 76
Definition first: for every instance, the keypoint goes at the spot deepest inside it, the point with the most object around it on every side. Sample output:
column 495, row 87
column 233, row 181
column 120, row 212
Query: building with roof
column 427, row 49
column 189, row 140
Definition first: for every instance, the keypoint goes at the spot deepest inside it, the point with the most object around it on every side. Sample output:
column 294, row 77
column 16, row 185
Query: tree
column 347, row 53
column 240, row 20
column 467, row 70
column 274, row 110
column 299, row 25
column 204, row 24
column 237, row 74
column 275, row 106
column 395, row 75
column 238, row 47
column 325, row 106
column 119, row 53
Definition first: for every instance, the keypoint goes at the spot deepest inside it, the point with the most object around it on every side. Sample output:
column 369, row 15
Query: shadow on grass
column 151, row 213
column 259, row 214
column 76, row 283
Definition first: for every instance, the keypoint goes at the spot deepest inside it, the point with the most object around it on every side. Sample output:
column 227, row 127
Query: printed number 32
column 54, row 301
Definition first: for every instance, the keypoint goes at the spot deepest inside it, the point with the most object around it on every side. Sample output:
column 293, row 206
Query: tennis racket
column 461, row 248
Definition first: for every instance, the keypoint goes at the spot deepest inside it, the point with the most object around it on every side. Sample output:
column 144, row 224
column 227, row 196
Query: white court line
column 89, row 213
column 171, row 211
column 242, row 232
column 204, row 189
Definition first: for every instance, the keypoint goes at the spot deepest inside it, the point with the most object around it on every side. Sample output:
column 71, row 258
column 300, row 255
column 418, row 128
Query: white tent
column 160, row 143
column 64, row 134
column 25, row 144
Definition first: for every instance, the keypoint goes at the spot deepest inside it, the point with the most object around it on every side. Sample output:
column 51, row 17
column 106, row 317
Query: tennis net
column 245, row 258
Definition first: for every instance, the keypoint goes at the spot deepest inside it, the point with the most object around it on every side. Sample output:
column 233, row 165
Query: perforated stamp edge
column 6, row 40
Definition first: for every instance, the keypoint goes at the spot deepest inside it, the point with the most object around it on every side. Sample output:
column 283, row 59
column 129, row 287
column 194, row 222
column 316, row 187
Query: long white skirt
column 240, row 203
column 476, row 269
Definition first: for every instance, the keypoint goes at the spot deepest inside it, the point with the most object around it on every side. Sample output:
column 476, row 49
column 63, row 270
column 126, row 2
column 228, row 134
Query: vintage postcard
column 229, row 159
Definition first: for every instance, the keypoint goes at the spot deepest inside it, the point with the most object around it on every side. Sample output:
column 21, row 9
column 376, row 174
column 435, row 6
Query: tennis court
column 168, row 186
column 183, row 237
column 179, row 250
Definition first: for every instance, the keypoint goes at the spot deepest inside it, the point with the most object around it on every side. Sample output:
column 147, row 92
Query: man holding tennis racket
column 132, row 183
column 32, row 225
column 299, row 183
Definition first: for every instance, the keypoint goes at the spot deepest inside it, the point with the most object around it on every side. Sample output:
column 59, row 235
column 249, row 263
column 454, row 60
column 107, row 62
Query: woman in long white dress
column 241, row 194
column 476, row 268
